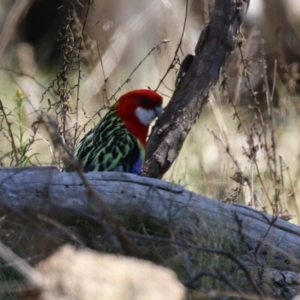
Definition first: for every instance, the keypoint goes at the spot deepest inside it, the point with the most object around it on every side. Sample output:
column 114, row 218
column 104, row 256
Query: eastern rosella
column 118, row 141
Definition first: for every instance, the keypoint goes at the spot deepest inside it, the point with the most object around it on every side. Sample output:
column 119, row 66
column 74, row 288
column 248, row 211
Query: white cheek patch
column 145, row 116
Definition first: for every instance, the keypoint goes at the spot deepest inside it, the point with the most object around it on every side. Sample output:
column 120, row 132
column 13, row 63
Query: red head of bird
column 138, row 109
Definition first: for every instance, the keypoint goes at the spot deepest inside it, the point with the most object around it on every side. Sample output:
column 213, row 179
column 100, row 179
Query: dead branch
column 216, row 41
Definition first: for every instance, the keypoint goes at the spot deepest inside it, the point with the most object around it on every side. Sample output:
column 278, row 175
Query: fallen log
column 59, row 195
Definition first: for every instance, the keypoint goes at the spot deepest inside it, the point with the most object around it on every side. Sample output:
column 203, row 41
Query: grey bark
column 63, row 196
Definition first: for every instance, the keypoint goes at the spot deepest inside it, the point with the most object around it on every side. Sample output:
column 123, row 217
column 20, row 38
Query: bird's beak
column 158, row 110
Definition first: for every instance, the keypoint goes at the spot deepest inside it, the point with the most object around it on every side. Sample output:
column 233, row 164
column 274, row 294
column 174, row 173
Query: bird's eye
column 146, row 102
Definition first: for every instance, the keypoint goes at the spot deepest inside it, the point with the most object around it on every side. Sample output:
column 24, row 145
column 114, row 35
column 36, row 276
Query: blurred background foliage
column 235, row 152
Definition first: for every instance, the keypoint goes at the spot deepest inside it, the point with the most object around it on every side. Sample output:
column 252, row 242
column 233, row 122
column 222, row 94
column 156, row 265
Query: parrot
column 118, row 141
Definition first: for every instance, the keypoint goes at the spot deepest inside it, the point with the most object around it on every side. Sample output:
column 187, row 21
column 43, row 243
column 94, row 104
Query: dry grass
column 245, row 146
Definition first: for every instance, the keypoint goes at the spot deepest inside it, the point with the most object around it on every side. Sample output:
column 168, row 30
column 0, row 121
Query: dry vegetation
column 244, row 148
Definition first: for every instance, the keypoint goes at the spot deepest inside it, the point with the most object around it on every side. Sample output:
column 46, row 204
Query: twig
column 97, row 204
column 23, row 267
column 126, row 81
column 224, row 279
column 293, row 193
column 12, row 140
column 103, row 73
column 204, row 249
column 138, row 65
column 63, row 228
column 175, row 58
column 19, row 73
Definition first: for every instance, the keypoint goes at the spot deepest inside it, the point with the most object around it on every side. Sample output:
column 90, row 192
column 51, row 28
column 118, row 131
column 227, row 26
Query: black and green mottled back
column 110, row 147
